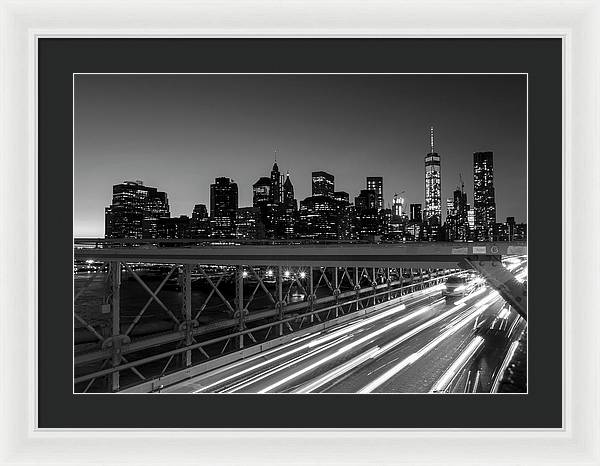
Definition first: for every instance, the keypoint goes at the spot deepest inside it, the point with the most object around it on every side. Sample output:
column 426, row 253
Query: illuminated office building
column 322, row 184
column 433, row 185
column 223, row 207
column 484, row 198
column 375, row 183
column 135, row 211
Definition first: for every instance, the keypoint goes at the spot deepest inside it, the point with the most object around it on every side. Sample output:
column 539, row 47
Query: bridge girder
column 503, row 280
column 417, row 255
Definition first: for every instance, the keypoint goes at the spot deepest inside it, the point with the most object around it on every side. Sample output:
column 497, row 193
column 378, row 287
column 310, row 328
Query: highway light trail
column 442, row 384
column 509, row 355
column 338, row 371
column 341, row 358
column 479, row 308
column 376, row 351
column 346, row 348
column 345, row 330
column 269, row 372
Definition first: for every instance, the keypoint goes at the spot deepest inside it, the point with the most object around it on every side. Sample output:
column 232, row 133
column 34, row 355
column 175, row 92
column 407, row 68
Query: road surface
column 423, row 344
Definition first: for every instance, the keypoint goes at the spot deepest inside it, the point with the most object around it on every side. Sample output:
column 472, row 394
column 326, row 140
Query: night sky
column 179, row 132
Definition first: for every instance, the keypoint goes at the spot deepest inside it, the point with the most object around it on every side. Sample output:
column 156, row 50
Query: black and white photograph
column 300, row 233
column 263, row 232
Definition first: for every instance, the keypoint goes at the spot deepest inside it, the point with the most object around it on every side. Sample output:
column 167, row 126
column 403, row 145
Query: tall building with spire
column 274, row 198
column 433, row 185
column 276, row 182
column 290, row 208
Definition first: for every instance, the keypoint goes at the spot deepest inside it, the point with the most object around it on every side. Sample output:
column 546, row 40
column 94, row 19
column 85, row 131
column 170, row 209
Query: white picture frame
column 576, row 21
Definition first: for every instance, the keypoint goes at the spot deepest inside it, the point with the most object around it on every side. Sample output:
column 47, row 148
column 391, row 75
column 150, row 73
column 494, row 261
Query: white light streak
column 442, row 384
column 338, row 371
column 345, row 349
column 505, row 363
column 426, row 349
column 326, row 338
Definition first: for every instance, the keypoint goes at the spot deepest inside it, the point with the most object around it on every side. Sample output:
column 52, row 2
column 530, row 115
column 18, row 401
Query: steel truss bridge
column 254, row 285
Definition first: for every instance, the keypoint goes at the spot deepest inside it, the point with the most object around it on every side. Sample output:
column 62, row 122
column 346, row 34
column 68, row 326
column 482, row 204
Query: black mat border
column 59, row 58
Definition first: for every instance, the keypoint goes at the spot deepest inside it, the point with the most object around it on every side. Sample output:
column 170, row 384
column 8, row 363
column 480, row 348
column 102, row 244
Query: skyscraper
column 318, row 218
column 290, row 208
column 433, row 185
column 457, row 222
column 471, row 221
column 174, row 228
column 276, row 192
column 274, row 225
column 450, row 207
column 200, row 222
column 322, row 184
column 223, row 207
column 375, row 183
column 416, row 213
column 484, row 197
column 135, row 211
column 342, row 203
column 288, row 192
column 248, row 224
column 367, row 199
column 397, row 206
column 367, row 219
column 261, row 191
column 342, row 197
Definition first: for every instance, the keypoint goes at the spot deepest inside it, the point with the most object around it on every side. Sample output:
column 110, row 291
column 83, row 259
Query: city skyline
column 184, row 193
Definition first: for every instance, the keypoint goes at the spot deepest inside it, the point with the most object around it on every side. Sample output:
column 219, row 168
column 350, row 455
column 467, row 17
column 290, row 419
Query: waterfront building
column 135, row 210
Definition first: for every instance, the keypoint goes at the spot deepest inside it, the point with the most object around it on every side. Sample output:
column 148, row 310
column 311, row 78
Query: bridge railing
column 203, row 242
column 216, row 242
column 260, row 307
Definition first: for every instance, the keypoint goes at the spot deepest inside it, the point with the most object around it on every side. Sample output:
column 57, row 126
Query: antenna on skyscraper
column 275, row 154
column 462, row 183
column 431, row 137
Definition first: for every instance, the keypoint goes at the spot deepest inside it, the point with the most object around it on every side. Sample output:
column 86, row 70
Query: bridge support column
column 280, row 297
column 186, row 308
column 374, row 285
column 336, row 291
column 502, row 280
column 239, row 303
column 311, row 297
column 401, row 281
column 115, row 291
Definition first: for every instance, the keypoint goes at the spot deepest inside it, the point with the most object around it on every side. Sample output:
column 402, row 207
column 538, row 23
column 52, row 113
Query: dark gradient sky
column 179, row 132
